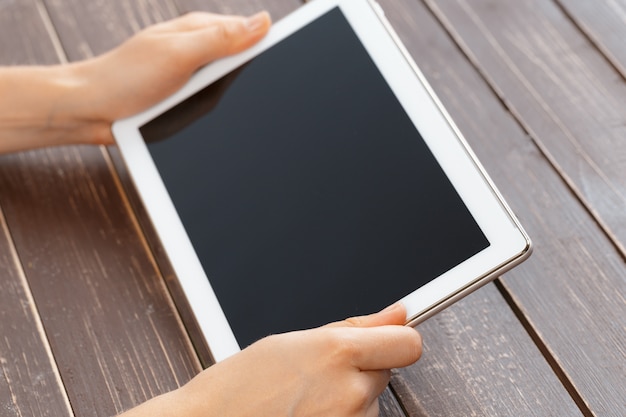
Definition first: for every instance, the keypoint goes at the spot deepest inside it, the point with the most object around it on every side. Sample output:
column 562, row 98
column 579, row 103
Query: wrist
column 175, row 403
column 46, row 106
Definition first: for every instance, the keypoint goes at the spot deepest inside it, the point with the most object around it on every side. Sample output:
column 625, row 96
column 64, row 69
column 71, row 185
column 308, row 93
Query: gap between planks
column 569, row 182
column 557, row 369
column 597, row 44
column 52, row 33
column 149, row 252
column 19, row 268
column 545, row 351
column 54, row 38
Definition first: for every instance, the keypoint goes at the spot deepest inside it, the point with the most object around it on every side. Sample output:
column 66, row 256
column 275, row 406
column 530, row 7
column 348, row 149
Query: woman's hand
column 159, row 60
column 337, row 370
column 76, row 103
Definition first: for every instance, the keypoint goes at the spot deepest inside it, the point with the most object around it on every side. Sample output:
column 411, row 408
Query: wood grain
column 35, row 46
column 571, row 292
column 89, row 28
column 478, row 358
column 162, row 261
column 389, row 406
column 604, row 22
column 117, row 337
column 561, row 90
column 113, row 329
column 277, row 8
column 30, row 384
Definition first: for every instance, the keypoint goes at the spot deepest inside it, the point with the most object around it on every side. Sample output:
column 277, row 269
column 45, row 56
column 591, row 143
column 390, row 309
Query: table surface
column 88, row 325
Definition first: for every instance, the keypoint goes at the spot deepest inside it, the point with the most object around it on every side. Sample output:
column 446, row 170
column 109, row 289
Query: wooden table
column 88, row 326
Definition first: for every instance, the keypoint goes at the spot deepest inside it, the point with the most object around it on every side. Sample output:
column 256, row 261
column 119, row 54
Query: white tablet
column 315, row 177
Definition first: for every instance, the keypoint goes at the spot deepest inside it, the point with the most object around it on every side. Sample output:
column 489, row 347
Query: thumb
column 395, row 314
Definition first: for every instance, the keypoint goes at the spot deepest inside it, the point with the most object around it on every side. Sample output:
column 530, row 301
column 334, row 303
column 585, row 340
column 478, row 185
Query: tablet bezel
column 509, row 244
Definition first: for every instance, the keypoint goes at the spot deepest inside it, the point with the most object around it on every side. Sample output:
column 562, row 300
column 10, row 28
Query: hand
column 336, row 370
column 76, row 103
column 159, row 60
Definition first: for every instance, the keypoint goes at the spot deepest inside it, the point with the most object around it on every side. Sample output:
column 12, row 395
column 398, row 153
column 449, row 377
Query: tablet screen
column 307, row 192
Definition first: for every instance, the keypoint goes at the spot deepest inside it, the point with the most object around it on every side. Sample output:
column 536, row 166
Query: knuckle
column 195, row 19
column 354, row 321
column 360, row 393
column 223, row 31
column 226, row 31
column 176, row 51
column 341, row 346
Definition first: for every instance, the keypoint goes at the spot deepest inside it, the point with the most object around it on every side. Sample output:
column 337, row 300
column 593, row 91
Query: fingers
column 394, row 314
column 214, row 36
column 385, row 347
column 380, row 341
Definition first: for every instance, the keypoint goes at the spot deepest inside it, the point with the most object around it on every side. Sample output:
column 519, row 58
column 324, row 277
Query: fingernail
column 255, row 22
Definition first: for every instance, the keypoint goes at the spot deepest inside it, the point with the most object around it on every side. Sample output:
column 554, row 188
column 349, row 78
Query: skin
column 76, row 103
column 336, row 370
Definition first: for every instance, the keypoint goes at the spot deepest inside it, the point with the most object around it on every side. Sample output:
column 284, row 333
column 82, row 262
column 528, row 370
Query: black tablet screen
column 306, row 191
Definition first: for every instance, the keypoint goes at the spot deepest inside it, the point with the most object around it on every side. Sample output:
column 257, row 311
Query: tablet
column 315, row 177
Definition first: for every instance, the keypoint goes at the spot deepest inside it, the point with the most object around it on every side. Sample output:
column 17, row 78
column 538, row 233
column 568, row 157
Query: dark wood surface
column 604, row 24
column 88, row 325
column 571, row 103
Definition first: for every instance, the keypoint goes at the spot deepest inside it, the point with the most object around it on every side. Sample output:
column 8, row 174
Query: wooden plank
column 162, row 261
column 389, row 406
column 35, row 44
column 115, row 22
column 604, row 22
column 571, row 292
column 113, row 329
column 478, row 359
column 30, row 384
column 277, row 8
column 561, row 90
column 89, row 28
column 29, row 379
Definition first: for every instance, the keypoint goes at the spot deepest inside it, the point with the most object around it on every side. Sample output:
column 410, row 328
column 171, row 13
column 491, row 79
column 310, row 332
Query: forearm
column 46, row 106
